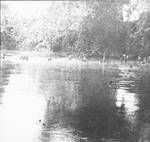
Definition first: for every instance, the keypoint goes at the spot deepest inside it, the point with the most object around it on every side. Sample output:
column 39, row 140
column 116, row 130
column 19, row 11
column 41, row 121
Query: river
column 71, row 101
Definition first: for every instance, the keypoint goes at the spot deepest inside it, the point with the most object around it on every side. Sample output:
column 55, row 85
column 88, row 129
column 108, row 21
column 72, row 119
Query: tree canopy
column 90, row 28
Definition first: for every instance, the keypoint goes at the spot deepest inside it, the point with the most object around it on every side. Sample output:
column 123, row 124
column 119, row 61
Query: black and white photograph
column 75, row 71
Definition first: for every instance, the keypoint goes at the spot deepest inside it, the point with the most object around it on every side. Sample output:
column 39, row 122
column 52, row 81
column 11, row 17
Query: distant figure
column 121, row 58
column 38, row 122
column 24, row 58
column 49, row 59
column 44, row 124
column 125, row 57
column 111, row 82
column 84, row 59
column 3, row 56
column 131, row 66
column 139, row 59
column 70, row 57
column 144, row 60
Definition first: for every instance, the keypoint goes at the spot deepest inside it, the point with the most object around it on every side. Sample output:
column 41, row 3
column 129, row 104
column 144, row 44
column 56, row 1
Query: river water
column 70, row 101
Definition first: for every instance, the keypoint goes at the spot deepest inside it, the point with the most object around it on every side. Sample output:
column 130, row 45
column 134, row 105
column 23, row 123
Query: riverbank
column 44, row 57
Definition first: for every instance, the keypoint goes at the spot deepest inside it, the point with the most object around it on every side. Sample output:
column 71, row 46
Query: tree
column 57, row 21
column 101, row 30
column 137, row 41
column 7, row 39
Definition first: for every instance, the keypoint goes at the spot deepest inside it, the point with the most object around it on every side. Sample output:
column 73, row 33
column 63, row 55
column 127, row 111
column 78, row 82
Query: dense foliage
column 86, row 28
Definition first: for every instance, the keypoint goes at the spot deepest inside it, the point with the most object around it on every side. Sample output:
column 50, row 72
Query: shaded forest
column 109, row 28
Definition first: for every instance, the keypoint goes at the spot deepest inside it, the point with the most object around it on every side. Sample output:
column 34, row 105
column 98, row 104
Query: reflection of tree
column 142, row 91
column 87, row 104
column 5, row 72
column 60, row 88
column 98, row 115
column 144, row 97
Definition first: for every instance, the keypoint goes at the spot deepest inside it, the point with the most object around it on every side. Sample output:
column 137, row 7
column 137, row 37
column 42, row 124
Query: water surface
column 70, row 101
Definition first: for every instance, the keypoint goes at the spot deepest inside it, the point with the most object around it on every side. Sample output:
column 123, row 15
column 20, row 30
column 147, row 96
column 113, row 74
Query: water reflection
column 71, row 103
column 86, row 105
column 5, row 71
column 20, row 108
column 128, row 100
